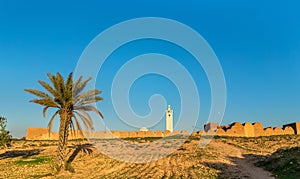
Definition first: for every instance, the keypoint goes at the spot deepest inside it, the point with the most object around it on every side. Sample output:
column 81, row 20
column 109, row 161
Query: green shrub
column 33, row 161
column 5, row 137
column 284, row 163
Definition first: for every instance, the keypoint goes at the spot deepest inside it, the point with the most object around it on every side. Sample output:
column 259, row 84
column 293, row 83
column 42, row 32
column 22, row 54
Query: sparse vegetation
column 224, row 157
column 33, row 161
column 5, row 137
column 284, row 163
column 262, row 145
column 145, row 139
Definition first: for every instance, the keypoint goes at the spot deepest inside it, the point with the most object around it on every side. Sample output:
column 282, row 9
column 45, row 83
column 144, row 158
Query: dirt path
column 253, row 171
column 241, row 166
column 216, row 160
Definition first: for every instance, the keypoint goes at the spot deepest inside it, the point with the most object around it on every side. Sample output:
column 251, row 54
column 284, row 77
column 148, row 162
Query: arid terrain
column 223, row 157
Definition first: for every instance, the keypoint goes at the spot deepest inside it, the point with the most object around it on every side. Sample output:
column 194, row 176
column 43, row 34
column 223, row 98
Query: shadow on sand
column 18, row 153
column 86, row 148
column 243, row 167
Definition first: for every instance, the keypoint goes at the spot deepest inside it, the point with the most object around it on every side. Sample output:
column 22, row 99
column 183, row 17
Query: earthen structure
column 235, row 129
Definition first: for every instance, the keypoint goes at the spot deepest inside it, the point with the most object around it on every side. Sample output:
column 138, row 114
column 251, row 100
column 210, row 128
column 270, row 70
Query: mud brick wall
column 236, row 129
column 221, row 132
column 295, row 126
column 258, row 129
column 37, row 134
column 43, row 134
column 211, row 127
column 288, row 130
column 249, row 129
column 278, row 131
column 268, row 131
column 255, row 130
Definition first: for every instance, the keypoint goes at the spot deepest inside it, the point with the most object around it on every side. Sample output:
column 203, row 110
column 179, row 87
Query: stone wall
column 255, row 130
column 295, row 126
column 236, row 129
column 42, row 134
column 211, row 127
column 37, row 133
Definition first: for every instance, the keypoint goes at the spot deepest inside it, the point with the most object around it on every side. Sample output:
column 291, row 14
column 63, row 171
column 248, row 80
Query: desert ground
column 223, row 157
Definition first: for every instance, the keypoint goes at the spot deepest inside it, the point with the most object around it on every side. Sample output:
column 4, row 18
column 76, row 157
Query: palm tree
column 72, row 104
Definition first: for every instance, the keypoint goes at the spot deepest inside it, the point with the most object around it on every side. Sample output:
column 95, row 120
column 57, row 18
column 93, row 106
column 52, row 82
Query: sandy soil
column 222, row 158
column 244, row 166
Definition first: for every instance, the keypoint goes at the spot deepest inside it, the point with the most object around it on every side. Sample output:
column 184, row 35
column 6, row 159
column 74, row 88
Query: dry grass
column 222, row 158
column 263, row 145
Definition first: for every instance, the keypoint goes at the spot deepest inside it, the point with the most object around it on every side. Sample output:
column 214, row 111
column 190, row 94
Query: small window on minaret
column 169, row 115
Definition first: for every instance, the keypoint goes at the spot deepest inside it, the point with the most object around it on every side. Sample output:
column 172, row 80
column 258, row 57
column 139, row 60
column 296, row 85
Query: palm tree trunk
column 62, row 141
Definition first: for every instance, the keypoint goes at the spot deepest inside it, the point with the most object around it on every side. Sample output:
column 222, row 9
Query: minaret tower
column 169, row 119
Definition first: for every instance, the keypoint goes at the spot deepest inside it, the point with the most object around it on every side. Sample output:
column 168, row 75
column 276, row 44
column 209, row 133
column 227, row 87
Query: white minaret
column 169, row 119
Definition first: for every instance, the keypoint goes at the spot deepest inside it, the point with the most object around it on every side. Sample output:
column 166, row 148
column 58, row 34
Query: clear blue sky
column 257, row 43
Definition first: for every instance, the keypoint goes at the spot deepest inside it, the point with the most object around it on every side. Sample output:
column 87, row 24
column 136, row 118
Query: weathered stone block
column 201, row 132
column 211, row 127
column 278, row 131
column 236, row 129
column 269, row 131
column 295, row 126
column 37, row 134
column 184, row 132
column 221, row 132
column 159, row 133
column 249, row 129
column 167, row 132
column 258, row 129
column 288, row 130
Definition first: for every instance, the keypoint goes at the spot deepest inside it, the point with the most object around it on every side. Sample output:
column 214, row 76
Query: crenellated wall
column 295, row 126
column 256, row 130
column 42, row 134
column 235, row 129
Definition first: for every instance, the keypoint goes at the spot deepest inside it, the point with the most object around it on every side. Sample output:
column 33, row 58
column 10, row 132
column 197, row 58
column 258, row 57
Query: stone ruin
column 248, row 129
column 211, row 127
column 43, row 134
column 236, row 129
column 295, row 126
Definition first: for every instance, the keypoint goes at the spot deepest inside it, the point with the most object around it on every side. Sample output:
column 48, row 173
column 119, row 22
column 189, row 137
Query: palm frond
column 48, row 87
column 69, row 82
column 56, row 85
column 68, row 88
column 92, row 100
column 86, row 114
column 86, row 121
column 76, row 84
column 37, row 93
column 45, row 102
column 91, row 94
column 80, row 87
column 53, row 80
column 61, row 83
column 72, row 129
column 45, row 110
column 51, row 121
column 89, row 108
column 78, row 126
